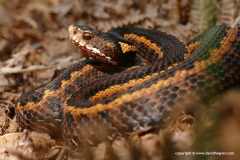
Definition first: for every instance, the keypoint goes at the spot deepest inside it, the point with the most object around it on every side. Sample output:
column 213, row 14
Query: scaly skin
column 92, row 101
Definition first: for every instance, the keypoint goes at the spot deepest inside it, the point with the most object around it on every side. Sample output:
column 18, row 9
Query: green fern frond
column 227, row 10
column 204, row 14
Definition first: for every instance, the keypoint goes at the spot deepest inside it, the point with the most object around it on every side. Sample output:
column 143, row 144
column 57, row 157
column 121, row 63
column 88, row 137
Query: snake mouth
column 94, row 52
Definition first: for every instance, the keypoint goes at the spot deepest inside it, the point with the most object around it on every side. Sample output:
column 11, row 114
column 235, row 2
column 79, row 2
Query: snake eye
column 87, row 35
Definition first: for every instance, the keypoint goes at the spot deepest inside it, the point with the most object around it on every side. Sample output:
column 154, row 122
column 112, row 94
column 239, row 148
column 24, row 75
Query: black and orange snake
column 135, row 79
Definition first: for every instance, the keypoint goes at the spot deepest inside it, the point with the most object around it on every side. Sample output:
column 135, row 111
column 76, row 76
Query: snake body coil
column 93, row 96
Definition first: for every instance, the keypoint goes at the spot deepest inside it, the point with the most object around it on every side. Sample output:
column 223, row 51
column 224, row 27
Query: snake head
column 102, row 46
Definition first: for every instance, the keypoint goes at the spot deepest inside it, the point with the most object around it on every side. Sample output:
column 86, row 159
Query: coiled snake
column 135, row 79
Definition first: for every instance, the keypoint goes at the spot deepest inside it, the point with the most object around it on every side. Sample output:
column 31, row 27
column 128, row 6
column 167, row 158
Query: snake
column 133, row 79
